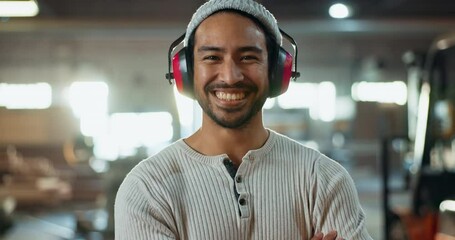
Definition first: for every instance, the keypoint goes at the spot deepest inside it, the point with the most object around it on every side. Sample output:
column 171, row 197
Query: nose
column 230, row 72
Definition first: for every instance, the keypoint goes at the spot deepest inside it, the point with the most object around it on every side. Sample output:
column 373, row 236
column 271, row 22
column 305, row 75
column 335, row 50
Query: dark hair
column 270, row 41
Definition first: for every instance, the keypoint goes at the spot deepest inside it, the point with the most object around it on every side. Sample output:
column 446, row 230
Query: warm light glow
column 106, row 147
column 345, row 108
column 326, row 101
column 89, row 98
column 184, row 107
column 133, row 130
column 382, row 92
column 447, row 205
column 128, row 132
column 323, row 107
column 298, row 95
column 339, row 10
column 319, row 98
column 137, row 129
column 25, row 96
column 94, row 125
column 269, row 103
column 421, row 126
column 18, row 8
column 189, row 112
column 89, row 102
column 443, row 44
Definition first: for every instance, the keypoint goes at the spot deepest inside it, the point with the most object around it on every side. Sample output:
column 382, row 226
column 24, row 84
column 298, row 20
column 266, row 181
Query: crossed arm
column 332, row 235
column 135, row 223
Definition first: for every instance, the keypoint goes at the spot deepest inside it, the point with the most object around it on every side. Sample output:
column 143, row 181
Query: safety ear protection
column 283, row 71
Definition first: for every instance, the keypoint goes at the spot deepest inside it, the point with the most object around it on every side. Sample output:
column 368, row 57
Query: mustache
column 237, row 85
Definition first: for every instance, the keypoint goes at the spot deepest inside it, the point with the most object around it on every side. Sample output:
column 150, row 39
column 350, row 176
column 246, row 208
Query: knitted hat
column 248, row 6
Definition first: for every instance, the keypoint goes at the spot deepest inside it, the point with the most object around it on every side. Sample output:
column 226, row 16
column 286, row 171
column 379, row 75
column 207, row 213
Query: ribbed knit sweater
column 283, row 190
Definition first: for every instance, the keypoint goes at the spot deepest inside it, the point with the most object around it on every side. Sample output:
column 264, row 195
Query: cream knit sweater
column 281, row 191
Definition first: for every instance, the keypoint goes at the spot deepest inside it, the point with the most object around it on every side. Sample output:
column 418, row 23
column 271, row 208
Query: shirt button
column 251, row 157
column 242, row 201
column 238, row 179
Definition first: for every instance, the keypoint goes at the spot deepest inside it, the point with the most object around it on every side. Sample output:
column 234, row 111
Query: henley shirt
column 283, row 190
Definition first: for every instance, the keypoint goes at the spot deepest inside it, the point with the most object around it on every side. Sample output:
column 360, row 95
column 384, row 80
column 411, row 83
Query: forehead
column 230, row 27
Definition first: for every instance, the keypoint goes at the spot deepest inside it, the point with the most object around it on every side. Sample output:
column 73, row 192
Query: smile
column 230, row 96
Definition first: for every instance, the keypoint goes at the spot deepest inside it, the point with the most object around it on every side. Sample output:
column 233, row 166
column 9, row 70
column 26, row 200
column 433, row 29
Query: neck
column 212, row 139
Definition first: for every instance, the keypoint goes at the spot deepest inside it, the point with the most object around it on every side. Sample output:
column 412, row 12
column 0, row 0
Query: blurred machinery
column 49, row 177
column 428, row 154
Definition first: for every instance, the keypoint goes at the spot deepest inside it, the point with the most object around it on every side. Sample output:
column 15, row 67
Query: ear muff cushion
column 279, row 81
column 182, row 78
column 287, row 73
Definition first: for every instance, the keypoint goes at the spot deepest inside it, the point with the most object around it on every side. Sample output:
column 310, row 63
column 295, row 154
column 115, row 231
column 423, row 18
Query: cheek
column 260, row 75
column 201, row 74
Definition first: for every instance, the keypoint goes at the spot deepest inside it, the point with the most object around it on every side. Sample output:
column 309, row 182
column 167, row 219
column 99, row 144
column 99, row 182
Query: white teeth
column 230, row 96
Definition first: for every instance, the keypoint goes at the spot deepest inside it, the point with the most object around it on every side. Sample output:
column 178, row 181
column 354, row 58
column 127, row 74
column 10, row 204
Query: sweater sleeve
column 140, row 213
column 337, row 205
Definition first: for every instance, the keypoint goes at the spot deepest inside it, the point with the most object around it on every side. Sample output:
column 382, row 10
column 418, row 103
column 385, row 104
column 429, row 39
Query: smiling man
column 233, row 178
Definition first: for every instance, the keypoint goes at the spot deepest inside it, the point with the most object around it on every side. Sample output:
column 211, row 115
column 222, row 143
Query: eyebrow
column 251, row 49
column 209, row 49
column 241, row 49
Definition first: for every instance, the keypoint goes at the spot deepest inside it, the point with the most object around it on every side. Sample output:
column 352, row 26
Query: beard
column 224, row 119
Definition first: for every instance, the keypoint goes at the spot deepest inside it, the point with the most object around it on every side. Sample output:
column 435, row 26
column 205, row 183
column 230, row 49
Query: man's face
column 230, row 69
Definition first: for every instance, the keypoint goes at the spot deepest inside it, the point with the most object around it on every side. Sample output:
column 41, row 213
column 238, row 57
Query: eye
column 211, row 58
column 249, row 58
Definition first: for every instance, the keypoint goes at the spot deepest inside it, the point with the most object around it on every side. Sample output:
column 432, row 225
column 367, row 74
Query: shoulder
column 148, row 176
column 158, row 163
column 315, row 161
column 333, row 177
column 285, row 145
column 283, row 141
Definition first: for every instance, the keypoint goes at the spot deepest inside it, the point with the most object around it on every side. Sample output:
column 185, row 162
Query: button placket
column 239, row 179
column 242, row 201
column 244, row 205
column 240, row 183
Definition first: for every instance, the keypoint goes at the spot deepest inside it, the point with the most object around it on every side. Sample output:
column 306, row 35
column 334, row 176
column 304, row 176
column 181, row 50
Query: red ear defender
column 177, row 74
column 287, row 72
column 180, row 72
column 182, row 77
column 281, row 76
column 285, row 69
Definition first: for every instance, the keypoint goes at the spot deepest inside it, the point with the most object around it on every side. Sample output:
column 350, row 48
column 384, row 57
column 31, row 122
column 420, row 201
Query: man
column 233, row 178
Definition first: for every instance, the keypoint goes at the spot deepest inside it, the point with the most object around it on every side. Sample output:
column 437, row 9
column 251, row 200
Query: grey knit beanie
column 248, row 6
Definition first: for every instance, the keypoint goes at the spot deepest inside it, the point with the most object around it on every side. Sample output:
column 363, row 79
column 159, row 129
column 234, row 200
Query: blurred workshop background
column 83, row 98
